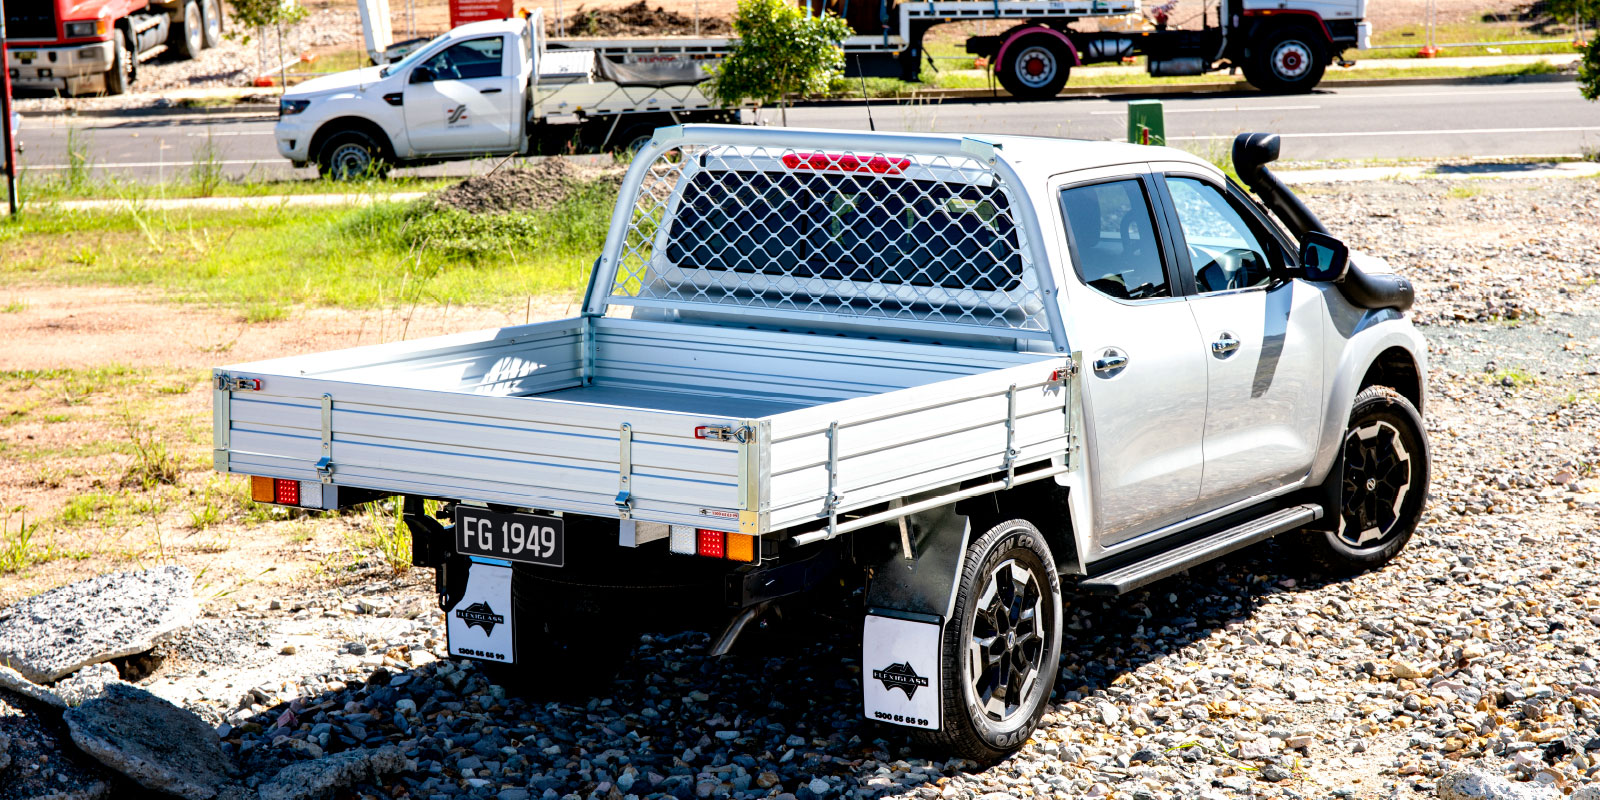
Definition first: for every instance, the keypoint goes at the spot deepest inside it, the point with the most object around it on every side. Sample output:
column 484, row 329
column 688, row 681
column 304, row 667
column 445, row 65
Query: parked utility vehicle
column 483, row 89
column 982, row 371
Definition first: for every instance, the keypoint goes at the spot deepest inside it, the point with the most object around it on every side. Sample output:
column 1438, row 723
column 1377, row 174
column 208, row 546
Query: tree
column 1589, row 70
column 780, row 51
column 261, row 14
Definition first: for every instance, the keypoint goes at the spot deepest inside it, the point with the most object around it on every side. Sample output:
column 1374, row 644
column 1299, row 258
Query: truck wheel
column 1385, row 483
column 351, row 155
column 121, row 72
column 189, row 35
column 1290, row 60
column 1035, row 67
column 211, row 13
column 1002, row 648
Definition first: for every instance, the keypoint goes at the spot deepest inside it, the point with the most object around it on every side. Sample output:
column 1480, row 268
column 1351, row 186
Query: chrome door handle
column 1224, row 346
column 1110, row 363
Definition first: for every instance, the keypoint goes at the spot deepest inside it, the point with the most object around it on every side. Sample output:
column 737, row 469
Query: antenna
column 864, row 99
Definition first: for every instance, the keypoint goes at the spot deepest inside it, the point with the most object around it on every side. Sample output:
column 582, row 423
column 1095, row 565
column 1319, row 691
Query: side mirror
column 422, row 75
column 1323, row 259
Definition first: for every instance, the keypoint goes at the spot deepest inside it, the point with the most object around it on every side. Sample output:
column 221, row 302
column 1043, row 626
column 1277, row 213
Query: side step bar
column 1172, row 562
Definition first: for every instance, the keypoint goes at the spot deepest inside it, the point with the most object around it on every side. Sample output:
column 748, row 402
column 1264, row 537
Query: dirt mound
column 638, row 19
column 514, row 189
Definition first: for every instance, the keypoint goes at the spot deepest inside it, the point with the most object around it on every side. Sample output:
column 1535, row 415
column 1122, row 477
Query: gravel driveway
column 1247, row 677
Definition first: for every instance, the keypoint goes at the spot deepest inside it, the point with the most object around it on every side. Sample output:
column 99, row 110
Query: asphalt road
column 1476, row 120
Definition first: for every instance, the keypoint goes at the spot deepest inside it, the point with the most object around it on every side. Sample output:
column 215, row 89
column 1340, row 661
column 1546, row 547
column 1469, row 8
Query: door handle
column 1111, row 362
column 1225, row 346
column 488, row 91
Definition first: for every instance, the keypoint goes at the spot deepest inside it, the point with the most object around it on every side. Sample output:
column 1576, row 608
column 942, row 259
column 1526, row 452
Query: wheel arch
column 1383, row 349
column 1007, row 38
column 1047, row 504
column 1261, row 21
column 338, row 125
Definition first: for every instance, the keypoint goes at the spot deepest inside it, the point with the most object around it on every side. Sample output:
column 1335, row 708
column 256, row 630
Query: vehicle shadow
column 781, row 711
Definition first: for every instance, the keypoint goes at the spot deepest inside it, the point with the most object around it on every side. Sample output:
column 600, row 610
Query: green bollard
column 1145, row 124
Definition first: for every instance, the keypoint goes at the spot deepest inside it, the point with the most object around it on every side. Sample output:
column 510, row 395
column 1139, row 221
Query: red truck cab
column 81, row 46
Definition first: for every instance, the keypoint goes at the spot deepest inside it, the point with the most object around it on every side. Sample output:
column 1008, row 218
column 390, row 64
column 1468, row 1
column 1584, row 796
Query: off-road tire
column 1289, row 60
column 211, row 15
column 1036, row 67
column 351, row 155
column 967, row 730
column 1384, row 448
column 188, row 37
column 120, row 76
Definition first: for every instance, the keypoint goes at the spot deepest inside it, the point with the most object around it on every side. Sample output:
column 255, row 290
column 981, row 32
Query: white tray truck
column 975, row 372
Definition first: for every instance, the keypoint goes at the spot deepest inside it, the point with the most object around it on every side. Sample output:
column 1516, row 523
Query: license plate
column 528, row 538
column 27, row 56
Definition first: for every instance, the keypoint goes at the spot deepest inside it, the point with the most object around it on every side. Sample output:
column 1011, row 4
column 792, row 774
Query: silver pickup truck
column 964, row 374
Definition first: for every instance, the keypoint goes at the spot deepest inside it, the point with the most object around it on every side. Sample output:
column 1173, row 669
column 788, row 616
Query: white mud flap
column 900, row 671
column 479, row 624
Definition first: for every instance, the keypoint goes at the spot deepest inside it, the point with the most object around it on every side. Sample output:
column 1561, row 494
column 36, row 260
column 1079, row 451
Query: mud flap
column 479, row 625
column 909, row 599
column 900, row 660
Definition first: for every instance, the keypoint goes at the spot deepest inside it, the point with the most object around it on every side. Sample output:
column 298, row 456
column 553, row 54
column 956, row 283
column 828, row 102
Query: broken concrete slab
column 155, row 743
column 35, row 764
column 73, row 690
column 51, row 635
column 312, row 780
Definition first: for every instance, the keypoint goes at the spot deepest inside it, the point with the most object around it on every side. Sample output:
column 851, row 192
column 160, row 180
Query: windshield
column 411, row 57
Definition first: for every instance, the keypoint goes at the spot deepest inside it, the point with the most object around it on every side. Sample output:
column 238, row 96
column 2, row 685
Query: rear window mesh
column 869, row 234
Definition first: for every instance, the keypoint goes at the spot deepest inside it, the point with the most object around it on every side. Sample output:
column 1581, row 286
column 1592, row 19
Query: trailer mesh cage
column 932, row 238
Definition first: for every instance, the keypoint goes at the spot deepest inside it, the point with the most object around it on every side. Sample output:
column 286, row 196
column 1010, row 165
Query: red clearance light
column 712, row 543
column 844, row 162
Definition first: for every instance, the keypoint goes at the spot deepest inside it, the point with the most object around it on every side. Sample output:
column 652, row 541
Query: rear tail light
column 286, row 492
column 691, row 541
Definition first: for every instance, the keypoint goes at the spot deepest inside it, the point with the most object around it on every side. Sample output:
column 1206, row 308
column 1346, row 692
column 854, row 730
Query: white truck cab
column 483, row 89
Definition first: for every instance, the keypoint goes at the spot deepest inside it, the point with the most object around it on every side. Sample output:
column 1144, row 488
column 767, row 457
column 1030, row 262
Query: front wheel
column 1035, row 67
column 1383, row 486
column 1288, row 61
column 1002, row 648
column 121, row 73
column 351, row 155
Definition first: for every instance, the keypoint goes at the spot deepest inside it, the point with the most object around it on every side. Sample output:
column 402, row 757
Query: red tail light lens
column 845, row 162
column 712, row 543
column 288, row 492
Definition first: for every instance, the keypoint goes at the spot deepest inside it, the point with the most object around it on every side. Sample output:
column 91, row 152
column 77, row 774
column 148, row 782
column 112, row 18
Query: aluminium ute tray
column 514, row 416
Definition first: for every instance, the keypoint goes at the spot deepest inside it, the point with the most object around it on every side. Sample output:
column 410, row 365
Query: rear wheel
column 1288, row 60
column 1384, row 483
column 351, row 155
column 211, row 11
column 1001, row 650
column 190, row 35
column 1035, row 67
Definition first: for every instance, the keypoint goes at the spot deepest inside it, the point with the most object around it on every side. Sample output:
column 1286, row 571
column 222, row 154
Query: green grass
column 264, row 260
column 1504, row 34
column 199, row 179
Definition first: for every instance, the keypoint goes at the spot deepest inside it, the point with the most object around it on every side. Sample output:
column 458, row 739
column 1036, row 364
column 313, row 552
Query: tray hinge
column 221, row 422
column 1011, row 436
column 325, row 464
column 624, row 499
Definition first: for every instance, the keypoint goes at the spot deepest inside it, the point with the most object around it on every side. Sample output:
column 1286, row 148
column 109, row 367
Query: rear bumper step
column 1163, row 565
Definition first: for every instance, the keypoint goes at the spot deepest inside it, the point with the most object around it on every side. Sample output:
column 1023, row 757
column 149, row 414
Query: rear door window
column 1113, row 236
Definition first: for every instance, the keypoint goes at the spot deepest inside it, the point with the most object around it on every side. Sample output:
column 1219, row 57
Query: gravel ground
column 1249, row 677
